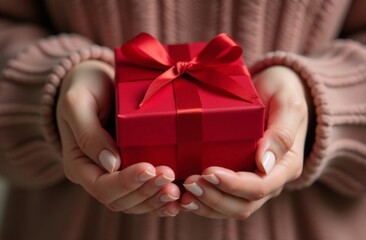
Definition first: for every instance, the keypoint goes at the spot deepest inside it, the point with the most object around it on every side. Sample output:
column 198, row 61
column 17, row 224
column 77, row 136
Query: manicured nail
column 107, row 160
column 191, row 206
column 268, row 161
column 194, row 189
column 165, row 212
column 162, row 180
column 167, row 198
column 212, row 179
column 146, row 175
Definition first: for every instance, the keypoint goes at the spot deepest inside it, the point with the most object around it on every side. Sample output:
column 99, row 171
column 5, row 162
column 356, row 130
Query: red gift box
column 187, row 106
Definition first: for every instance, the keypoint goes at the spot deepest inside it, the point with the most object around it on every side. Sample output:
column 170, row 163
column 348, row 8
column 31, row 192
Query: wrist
column 93, row 66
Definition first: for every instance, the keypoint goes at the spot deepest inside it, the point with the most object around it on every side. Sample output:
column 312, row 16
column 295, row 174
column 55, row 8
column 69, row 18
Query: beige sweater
column 40, row 41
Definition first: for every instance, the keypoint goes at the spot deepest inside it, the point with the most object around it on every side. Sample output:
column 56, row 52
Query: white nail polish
column 162, row 180
column 211, row 178
column 107, row 160
column 168, row 198
column 191, row 206
column 145, row 176
column 165, row 212
column 268, row 161
column 194, row 189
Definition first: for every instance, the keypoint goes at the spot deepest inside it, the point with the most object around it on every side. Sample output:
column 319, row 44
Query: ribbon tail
column 158, row 83
column 223, row 83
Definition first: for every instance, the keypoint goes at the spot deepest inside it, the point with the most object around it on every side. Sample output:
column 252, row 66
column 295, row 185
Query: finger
column 286, row 114
column 247, row 185
column 164, row 176
column 190, row 203
column 213, row 201
column 169, row 193
column 214, row 198
column 203, row 210
column 170, row 209
column 91, row 137
column 108, row 187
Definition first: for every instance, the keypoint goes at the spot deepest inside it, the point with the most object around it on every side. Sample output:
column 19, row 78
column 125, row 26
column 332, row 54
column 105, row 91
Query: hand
column 90, row 154
column 222, row 193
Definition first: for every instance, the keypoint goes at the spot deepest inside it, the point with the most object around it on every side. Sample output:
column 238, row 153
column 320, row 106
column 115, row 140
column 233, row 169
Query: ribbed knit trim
column 328, row 68
column 37, row 72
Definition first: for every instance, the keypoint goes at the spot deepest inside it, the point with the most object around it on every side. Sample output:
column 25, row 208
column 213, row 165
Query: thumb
column 286, row 115
column 83, row 107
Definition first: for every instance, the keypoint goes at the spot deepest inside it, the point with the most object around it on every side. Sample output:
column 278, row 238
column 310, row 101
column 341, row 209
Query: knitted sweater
column 41, row 41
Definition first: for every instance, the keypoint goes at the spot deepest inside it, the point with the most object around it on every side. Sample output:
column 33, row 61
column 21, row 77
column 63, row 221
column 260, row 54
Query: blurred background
column 2, row 199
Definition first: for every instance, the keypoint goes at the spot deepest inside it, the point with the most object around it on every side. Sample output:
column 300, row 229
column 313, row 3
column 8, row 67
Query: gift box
column 186, row 106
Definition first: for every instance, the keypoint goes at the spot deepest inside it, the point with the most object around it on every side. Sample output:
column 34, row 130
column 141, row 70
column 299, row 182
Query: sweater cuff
column 336, row 78
column 34, row 76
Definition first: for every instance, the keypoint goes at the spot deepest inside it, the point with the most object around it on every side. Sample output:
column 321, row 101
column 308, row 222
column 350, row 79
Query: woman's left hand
column 222, row 193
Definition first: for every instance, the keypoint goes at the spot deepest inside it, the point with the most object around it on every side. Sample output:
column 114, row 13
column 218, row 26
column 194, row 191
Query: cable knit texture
column 326, row 202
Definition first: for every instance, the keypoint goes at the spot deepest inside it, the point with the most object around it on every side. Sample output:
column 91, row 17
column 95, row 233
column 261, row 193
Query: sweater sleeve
column 336, row 79
column 32, row 66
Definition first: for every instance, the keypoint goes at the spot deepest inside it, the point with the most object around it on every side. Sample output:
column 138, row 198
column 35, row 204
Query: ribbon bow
column 212, row 66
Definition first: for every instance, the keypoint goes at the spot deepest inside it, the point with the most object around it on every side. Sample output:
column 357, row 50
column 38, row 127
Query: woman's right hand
column 90, row 155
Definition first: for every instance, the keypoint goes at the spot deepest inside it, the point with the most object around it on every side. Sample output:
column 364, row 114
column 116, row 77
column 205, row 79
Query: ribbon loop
column 146, row 51
column 222, row 52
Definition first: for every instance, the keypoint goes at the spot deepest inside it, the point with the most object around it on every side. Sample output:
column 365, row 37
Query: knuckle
column 101, row 196
column 298, row 173
column 125, row 186
column 69, row 175
column 83, row 138
column 262, row 191
column 243, row 215
column 126, row 211
column 144, row 192
column 69, row 170
column 112, row 207
column 233, row 187
column 215, row 202
column 150, row 205
column 278, row 192
column 284, row 138
column 297, row 104
column 68, row 100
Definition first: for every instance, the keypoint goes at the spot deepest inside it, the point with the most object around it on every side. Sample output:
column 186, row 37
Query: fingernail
column 165, row 212
column 212, row 179
column 162, row 180
column 191, row 206
column 146, row 175
column 194, row 189
column 107, row 160
column 268, row 161
column 167, row 198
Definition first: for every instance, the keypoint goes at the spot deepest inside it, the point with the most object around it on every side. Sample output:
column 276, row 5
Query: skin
column 83, row 108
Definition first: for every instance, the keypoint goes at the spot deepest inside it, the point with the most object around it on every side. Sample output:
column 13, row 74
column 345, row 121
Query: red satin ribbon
column 189, row 122
column 212, row 66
